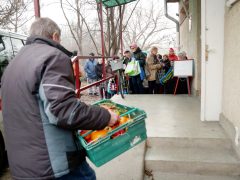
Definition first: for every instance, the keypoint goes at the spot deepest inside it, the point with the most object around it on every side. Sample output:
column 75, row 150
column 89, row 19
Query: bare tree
column 148, row 27
column 13, row 13
column 7, row 8
column 82, row 27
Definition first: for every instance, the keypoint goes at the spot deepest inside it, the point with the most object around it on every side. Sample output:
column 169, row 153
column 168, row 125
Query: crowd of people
column 155, row 75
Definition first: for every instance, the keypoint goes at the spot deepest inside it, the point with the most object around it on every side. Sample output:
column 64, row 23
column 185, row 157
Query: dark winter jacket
column 126, row 60
column 41, row 111
column 140, row 56
column 99, row 71
column 166, row 64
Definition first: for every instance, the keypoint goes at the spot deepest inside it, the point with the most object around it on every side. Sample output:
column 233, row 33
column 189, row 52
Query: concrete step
column 181, row 142
column 203, row 161
column 179, row 176
column 127, row 166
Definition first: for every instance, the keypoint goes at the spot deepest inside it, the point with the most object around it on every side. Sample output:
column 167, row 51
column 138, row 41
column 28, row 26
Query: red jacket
column 172, row 57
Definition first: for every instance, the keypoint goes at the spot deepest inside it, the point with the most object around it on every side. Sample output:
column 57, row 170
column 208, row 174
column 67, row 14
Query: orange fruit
column 88, row 137
column 98, row 134
column 123, row 120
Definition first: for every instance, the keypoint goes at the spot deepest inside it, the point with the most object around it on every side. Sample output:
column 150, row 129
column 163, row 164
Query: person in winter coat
column 139, row 56
column 126, row 59
column 90, row 69
column 172, row 56
column 41, row 111
column 152, row 67
column 182, row 56
column 99, row 69
column 166, row 65
column 99, row 72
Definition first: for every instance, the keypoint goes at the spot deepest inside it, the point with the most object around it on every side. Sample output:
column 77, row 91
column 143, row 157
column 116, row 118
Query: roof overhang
column 113, row 3
column 172, row 1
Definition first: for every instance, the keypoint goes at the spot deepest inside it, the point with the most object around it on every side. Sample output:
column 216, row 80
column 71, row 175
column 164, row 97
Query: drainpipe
column 175, row 21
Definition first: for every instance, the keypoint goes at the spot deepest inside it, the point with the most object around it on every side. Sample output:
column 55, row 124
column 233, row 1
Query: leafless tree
column 75, row 27
column 13, row 13
column 148, row 27
column 81, row 27
column 116, row 21
column 6, row 11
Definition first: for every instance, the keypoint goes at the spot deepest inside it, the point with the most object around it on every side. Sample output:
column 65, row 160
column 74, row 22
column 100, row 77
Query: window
column 17, row 45
column 6, row 53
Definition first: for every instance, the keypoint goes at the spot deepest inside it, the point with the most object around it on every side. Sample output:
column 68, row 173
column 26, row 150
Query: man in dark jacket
column 139, row 56
column 41, row 111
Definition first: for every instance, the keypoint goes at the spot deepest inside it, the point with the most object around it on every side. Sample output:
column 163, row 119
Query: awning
column 113, row 3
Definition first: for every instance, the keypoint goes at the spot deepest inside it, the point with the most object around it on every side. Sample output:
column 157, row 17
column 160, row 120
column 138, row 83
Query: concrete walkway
column 179, row 145
column 173, row 116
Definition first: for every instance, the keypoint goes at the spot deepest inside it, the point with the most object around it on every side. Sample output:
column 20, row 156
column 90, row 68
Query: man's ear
column 56, row 37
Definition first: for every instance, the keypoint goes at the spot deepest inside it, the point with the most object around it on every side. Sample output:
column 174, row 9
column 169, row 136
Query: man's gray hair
column 44, row 27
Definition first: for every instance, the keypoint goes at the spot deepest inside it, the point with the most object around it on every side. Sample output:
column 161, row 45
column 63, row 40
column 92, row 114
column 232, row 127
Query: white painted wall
column 212, row 69
column 231, row 73
column 190, row 41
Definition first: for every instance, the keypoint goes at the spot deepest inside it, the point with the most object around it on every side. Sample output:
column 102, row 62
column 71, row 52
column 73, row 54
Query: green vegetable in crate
column 113, row 108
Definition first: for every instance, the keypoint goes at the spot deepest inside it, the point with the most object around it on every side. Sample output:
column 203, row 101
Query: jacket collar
column 43, row 40
column 137, row 51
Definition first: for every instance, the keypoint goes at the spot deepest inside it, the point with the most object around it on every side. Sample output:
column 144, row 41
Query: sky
column 52, row 9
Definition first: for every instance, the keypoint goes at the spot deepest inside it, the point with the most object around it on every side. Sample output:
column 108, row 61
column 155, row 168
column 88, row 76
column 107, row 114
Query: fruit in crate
column 95, row 135
column 120, row 132
column 114, row 108
column 88, row 137
column 123, row 120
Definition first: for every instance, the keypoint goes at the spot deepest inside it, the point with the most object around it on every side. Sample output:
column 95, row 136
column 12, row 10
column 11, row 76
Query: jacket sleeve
column 142, row 59
column 152, row 66
column 57, row 92
column 86, row 68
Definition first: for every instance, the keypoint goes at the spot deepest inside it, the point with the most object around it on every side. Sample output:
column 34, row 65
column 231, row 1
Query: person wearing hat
column 90, row 69
column 172, row 56
column 139, row 56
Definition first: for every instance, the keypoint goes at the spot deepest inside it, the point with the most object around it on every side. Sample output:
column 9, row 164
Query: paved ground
column 173, row 116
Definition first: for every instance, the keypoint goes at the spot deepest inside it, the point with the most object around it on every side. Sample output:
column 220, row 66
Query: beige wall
column 231, row 75
column 190, row 40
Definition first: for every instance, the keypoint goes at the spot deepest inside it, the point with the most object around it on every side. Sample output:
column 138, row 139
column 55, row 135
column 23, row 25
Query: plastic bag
column 133, row 68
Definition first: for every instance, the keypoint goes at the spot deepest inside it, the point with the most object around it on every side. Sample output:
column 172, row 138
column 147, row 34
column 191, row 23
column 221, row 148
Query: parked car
column 10, row 44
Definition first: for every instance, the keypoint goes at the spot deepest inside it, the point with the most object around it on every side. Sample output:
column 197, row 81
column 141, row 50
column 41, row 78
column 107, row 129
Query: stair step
column 179, row 176
column 160, row 142
column 207, row 161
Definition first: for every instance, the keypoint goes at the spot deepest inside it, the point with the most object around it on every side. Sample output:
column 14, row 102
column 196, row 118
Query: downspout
column 175, row 21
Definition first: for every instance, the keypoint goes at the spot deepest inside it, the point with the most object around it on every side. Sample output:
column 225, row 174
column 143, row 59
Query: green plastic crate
column 106, row 149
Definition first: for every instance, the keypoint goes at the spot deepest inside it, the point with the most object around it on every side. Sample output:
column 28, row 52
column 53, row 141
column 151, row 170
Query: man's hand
column 114, row 118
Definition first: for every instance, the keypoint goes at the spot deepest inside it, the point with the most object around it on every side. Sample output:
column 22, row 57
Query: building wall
column 231, row 76
column 190, row 41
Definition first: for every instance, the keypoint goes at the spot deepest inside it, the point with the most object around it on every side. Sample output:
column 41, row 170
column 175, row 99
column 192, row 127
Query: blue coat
column 90, row 69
